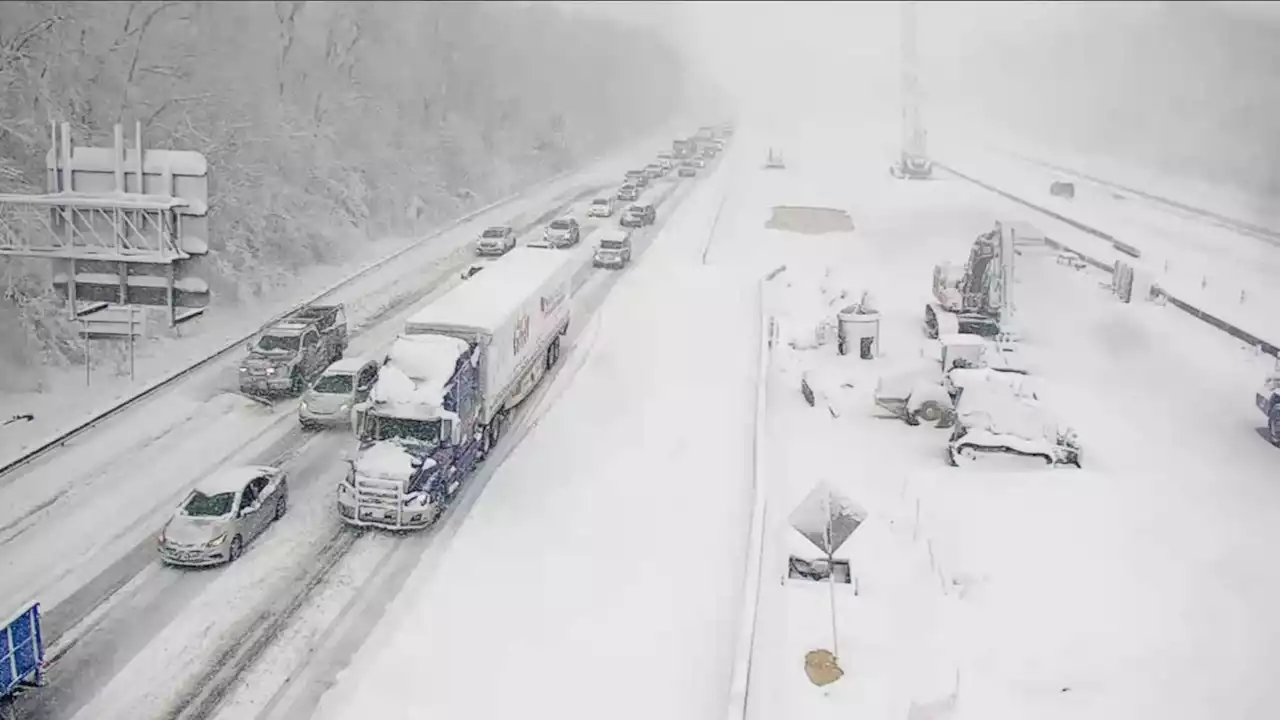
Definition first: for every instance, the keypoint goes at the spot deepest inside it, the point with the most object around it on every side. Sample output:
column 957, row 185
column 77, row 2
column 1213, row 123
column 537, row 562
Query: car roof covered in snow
column 347, row 365
column 489, row 299
column 231, row 479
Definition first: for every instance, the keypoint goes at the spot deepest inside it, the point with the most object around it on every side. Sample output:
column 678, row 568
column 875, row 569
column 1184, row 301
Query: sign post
column 827, row 519
column 112, row 322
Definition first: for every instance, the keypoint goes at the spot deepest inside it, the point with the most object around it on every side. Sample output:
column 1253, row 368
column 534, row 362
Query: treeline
column 325, row 124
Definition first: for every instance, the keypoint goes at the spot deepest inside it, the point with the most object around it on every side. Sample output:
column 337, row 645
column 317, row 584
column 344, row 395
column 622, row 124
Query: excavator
column 973, row 298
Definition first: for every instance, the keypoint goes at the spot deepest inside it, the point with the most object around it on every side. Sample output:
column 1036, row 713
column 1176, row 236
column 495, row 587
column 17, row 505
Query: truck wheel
column 296, row 386
column 1273, row 425
column 495, row 430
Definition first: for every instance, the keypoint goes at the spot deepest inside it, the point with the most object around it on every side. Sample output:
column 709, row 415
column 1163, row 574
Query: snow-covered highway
column 605, row 558
column 114, row 614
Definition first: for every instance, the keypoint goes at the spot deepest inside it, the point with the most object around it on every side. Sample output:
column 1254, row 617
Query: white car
column 563, row 232
column 222, row 514
column 601, row 207
column 496, row 240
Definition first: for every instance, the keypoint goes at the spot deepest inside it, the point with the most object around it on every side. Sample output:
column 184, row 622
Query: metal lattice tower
column 913, row 134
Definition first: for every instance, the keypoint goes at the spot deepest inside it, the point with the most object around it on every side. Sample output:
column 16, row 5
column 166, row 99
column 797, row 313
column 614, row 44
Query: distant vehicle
column 1062, row 188
column 472, row 269
column 641, row 182
column 449, row 385
column 698, row 162
column 496, row 240
column 223, row 513
column 635, row 175
column 682, row 149
column 628, row 193
column 774, row 161
column 339, row 388
column 601, row 207
column 687, row 169
column 287, row 354
column 638, row 216
column 613, row 249
column 653, row 171
column 563, row 232
column 666, row 165
column 667, row 157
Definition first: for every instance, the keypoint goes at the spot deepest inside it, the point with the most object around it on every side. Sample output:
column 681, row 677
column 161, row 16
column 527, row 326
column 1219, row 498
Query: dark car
column 638, row 216
column 628, row 193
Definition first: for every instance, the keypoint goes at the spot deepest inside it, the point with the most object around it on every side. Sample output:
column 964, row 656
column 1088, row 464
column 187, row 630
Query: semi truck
column 448, row 386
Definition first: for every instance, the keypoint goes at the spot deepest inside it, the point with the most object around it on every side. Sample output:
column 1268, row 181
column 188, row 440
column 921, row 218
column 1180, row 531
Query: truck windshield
column 334, row 384
column 387, row 428
column 278, row 343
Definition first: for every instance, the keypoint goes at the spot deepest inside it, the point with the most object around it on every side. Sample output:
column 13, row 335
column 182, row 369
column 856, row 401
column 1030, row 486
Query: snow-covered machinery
column 912, row 167
column 1267, row 399
column 975, row 297
column 448, row 385
column 996, row 418
column 774, row 161
column 928, row 394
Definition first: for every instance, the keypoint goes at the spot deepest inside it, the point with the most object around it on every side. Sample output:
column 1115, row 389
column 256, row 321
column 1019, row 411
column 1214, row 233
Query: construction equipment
column 928, row 393
column 976, row 297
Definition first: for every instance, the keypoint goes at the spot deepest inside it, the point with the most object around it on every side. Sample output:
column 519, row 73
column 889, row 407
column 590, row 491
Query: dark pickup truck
column 292, row 351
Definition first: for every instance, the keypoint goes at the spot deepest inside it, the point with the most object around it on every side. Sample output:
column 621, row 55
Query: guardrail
column 1247, row 228
column 1208, row 318
column 62, row 438
column 740, row 679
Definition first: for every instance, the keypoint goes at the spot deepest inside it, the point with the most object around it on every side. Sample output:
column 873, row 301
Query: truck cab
column 415, row 444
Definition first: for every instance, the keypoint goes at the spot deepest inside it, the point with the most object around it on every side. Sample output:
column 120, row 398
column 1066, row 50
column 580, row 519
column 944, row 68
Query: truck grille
column 382, row 494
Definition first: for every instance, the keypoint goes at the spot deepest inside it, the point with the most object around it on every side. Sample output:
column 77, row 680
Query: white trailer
column 444, row 393
column 514, row 314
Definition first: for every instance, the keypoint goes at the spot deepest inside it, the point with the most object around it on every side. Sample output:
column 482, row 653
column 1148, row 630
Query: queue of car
column 229, row 508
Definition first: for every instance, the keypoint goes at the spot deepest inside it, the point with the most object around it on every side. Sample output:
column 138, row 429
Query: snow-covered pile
column 418, row 369
column 994, row 407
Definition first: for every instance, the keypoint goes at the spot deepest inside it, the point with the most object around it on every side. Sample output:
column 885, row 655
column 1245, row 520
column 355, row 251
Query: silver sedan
column 224, row 512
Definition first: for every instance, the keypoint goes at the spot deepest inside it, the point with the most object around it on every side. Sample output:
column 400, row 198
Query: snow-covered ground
column 132, row 638
column 1136, row 587
column 599, row 572
column 1217, row 269
column 1250, row 205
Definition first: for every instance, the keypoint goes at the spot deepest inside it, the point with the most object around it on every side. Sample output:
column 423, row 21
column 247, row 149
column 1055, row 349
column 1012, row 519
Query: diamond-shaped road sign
column 826, row 518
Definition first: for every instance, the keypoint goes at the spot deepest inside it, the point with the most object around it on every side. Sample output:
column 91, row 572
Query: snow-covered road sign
column 826, row 518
